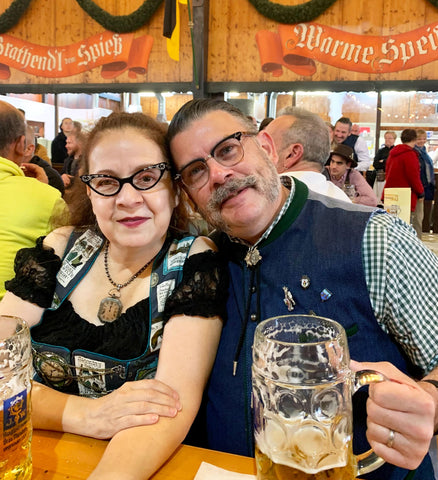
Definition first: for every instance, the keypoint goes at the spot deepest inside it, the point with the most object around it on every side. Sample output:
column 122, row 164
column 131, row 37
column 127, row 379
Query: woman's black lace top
column 203, row 291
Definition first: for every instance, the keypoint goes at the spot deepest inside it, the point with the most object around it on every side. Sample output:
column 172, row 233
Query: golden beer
column 269, row 470
column 15, row 409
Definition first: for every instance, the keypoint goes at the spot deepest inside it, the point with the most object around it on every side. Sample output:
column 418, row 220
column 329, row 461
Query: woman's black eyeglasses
column 144, row 179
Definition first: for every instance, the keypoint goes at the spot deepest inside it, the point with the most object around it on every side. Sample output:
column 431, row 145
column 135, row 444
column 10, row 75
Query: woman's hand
column 403, row 407
column 135, row 403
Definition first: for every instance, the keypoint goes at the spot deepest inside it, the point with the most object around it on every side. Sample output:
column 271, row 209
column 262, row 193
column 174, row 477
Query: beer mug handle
column 368, row 461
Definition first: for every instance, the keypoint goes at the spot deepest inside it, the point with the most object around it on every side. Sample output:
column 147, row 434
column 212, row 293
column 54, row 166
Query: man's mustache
column 231, row 188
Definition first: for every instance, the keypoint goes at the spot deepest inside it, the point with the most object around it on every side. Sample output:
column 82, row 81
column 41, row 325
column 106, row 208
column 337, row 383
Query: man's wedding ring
column 391, row 438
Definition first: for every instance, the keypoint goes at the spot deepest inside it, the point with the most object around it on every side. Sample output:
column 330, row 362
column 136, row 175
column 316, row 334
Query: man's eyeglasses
column 228, row 152
column 144, row 179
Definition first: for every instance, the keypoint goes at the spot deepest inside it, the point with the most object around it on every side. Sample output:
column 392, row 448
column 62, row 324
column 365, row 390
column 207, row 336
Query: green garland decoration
column 292, row 13
column 11, row 16
column 121, row 23
column 128, row 23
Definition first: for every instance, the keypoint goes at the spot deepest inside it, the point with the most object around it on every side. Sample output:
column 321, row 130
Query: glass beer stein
column 15, row 387
column 302, row 398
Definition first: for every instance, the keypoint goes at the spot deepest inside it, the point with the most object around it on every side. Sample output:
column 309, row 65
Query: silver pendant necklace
column 111, row 307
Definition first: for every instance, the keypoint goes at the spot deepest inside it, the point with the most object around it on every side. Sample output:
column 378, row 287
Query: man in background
column 302, row 142
column 30, row 208
column 30, row 156
column 343, row 134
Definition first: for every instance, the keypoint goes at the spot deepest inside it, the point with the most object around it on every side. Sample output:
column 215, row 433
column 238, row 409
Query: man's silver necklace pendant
column 111, row 307
column 252, row 257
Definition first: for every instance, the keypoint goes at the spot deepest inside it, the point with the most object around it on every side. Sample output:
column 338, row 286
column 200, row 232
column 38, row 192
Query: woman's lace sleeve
column 203, row 290
column 35, row 274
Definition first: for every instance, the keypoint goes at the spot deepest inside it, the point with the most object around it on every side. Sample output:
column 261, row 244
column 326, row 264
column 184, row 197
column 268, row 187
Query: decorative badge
column 305, row 282
column 325, row 294
column 288, row 299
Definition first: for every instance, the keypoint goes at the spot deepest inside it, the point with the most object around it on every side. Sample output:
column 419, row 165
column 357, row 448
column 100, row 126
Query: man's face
column 355, row 129
column 242, row 199
column 71, row 145
column 342, row 130
column 277, row 129
column 338, row 166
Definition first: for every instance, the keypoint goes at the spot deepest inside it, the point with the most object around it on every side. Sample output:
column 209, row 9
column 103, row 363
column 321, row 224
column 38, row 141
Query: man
column 302, row 142
column 343, row 134
column 341, row 172
column 354, row 260
column 355, row 129
column 74, row 145
column 54, row 178
column 59, row 151
column 30, row 208
column 403, row 171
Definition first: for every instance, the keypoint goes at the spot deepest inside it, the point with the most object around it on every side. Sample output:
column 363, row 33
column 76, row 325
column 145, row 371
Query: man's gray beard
column 269, row 187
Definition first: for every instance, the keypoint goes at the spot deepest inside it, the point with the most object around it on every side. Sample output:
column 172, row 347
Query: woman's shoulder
column 58, row 239
column 202, row 244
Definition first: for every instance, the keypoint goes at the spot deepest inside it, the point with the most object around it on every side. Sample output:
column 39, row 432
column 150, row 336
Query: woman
column 104, row 325
column 427, row 177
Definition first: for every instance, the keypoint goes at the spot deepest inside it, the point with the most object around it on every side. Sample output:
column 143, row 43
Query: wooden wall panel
column 233, row 55
column 57, row 23
column 379, row 17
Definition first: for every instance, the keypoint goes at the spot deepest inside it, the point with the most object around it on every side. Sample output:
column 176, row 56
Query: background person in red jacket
column 403, row 170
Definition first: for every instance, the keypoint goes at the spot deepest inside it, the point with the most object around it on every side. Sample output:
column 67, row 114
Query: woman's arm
column 135, row 403
column 186, row 358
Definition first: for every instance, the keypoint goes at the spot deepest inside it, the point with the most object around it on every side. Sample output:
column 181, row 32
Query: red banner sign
column 297, row 47
column 116, row 53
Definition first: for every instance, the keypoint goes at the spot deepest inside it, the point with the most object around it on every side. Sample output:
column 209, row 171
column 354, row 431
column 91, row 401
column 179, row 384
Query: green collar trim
column 290, row 215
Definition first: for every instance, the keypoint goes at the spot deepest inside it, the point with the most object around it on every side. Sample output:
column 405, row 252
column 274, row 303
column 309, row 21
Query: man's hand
column 135, row 403
column 401, row 406
column 34, row 171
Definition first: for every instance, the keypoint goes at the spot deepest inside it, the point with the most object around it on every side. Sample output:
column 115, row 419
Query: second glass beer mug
column 302, row 389
column 15, row 387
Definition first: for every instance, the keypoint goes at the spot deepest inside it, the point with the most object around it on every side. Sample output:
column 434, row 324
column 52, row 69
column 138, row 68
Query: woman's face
column 421, row 140
column 131, row 218
column 389, row 139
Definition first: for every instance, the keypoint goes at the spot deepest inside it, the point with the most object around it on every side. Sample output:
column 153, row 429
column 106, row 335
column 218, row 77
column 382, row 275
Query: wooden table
column 62, row 456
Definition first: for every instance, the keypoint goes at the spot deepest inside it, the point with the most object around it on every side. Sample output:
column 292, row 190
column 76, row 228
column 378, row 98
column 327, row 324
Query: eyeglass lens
column 229, row 152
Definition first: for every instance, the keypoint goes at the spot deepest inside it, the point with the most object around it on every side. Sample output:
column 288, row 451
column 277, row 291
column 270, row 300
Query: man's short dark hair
column 408, row 135
column 197, row 108
column 345, row 121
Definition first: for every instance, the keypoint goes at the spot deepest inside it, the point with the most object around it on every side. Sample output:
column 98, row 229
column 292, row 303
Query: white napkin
column 211, row 472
